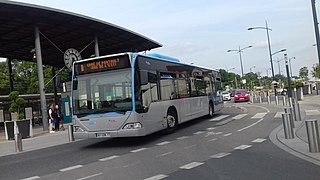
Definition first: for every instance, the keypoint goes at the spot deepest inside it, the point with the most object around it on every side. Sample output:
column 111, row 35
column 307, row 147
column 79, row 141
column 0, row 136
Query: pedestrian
column 57, row 117
column 51, row 119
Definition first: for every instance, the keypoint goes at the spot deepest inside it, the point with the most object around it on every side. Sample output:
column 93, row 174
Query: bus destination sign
column 102, row 64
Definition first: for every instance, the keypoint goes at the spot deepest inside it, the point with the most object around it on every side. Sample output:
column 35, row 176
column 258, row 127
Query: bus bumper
column 110, row 134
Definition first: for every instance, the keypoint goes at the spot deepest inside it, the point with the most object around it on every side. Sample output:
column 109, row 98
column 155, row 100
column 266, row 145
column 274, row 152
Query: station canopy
column 63, row 29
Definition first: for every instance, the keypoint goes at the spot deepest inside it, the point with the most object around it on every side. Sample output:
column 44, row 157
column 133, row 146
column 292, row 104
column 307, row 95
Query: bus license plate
column 101, row 135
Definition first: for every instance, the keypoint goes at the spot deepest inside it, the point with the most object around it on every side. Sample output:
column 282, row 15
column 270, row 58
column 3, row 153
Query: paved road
column 232, row 145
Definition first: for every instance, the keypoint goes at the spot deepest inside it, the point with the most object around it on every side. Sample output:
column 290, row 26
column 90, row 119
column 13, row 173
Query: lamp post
column 290, row 65
column 316, row 28
column 240, row 51
column 228, row 69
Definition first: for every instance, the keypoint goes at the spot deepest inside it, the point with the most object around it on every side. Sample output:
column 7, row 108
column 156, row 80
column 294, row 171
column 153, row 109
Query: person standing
column 57, row 117
column 51, row 119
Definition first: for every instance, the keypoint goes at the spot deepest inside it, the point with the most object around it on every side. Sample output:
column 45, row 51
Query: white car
column 226, row 96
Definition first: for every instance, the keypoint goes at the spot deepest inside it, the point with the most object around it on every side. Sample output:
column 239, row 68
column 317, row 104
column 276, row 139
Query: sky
column 202, row 31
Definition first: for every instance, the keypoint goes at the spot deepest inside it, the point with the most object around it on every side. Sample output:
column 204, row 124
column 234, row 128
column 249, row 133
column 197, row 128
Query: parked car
column 226, row 96
column 241, row 95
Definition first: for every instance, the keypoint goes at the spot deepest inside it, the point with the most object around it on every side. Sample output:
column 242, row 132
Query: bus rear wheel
column 172, row 121
column 211, row 110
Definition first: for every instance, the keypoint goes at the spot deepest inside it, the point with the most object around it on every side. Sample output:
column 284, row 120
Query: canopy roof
column 65, row 30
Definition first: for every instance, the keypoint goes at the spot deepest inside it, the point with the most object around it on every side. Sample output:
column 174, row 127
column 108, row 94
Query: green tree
column 17, row 104
column 4, row 78
column 303, row 73
column 316, row 71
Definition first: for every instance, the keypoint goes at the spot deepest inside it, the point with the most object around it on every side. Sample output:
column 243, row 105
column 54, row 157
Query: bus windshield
column 103, row 92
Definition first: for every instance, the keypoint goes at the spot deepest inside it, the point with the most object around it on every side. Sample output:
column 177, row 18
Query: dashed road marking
column 210, row 128
column 258, row 116
column 31, row 178
column 250, row 125
column 91, row 176
column 191, row 165
column 220, row 155
column 70, row 168
column 219, row 118
column 312, row 112
column 191, row 146
column 243, row 147
column 163, row 143
column 239, row 116
column 157, row 177
column 278, row 115
column 132, row 164
column 259, row 140
column 227, row 134
column 164, row 154
column 138, row 150
column 108, row 158
column 212, row 140
column 199, row 132
column 183, row 137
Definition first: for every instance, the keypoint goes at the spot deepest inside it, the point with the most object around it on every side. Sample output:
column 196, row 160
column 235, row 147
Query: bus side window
column 167, row 86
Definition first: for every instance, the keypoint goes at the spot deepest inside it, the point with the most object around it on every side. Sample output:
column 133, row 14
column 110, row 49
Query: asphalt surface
column 234, row 144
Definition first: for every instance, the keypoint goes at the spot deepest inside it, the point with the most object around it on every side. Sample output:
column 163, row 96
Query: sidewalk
column 299, row 145
column 41, row 139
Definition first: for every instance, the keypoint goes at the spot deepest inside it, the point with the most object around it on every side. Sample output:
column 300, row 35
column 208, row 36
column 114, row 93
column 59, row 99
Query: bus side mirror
column 75, row 85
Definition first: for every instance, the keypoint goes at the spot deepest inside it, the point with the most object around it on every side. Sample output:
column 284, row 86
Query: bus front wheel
column 211, row 110
column 172, row 121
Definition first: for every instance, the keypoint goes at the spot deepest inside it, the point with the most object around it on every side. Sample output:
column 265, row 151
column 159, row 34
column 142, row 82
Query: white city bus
column 133, row 94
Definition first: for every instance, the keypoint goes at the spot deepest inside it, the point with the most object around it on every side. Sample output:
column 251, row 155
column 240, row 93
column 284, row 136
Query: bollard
column 260, row 99
column 298, row 112
column 269, row 100
column 294, row 109
column 18, row 142
column 290, row 101
column 289, row 110
column 313, row 135
column 70, row 133
column 277, row 100
column 287, row 126
column 284, row 102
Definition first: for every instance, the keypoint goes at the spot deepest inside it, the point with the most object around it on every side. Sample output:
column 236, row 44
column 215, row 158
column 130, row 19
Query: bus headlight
column 78, row 129
column 135, row 125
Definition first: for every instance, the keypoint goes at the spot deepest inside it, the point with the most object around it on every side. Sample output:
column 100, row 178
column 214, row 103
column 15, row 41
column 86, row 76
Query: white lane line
column 188, row 147
column 243, row 147
column 219, row 118
column 199, row 132
column 138, row 150
column 250, row 125
column 108, row 158
column 312, row 112
column 212, row 140
column 259, row 140
column 183, row 137
column 258, row 116
column 163, row 143
column 227, row 134
column 91, row 176
column 191, row 165
column 239, row 116
column 220, row 155
column 31, row 178
column 157, row 177
column 70, row 168
column 278, row 115
column 164, row 154
column 210, row 128
column 132, row 164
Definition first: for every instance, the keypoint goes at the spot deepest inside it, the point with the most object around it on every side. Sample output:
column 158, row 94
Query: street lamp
column 290, row 65
column 240, row 51
column 228, row 69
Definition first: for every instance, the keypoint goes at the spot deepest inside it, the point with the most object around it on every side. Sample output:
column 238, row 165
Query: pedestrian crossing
column 276, row 115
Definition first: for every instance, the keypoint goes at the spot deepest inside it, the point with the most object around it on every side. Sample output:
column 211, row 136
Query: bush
column 17, row 104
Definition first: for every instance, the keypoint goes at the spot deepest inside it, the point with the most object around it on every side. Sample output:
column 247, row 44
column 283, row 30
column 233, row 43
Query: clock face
column 70, row 56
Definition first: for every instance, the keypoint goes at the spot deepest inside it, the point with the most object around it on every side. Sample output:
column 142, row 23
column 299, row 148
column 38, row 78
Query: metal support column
column 96, row 47
column 54, row 85
column 287, row 126
column 41, row 80
column 10, row 75
column 313, row 135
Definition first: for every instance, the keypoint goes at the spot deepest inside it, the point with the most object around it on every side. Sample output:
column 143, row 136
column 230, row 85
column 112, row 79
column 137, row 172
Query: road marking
column 199, row 132
column 258, row 116
column 220, row 155
column 157, row 177
column 259, row 140
column 138, row 150
column 278, row 115
column 70, row 168
column 219, row 118
column 210, row 128
column 91, row 176
column 163, row 143
column 108, row 158
column 227, row 134
column 188, row 147
column 191, row 165
column 312, row 112
column 132, row 164
column 239, row 116
column 164, row 154
column 182, row 137
column 212, row 140
column 31, row 178
column 243, row 147
column 250, row 125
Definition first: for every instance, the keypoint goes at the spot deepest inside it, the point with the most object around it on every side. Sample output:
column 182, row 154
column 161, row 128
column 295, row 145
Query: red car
column 241, row 95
